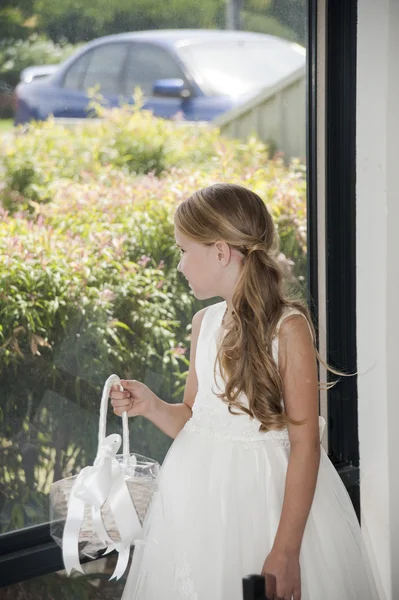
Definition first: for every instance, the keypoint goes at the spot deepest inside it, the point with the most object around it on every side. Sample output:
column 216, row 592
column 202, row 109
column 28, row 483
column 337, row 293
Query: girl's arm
column 138, row 399
column 298, row 368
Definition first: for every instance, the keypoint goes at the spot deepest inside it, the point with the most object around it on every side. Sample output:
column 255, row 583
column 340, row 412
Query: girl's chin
column 193, row 291
column 198, row 295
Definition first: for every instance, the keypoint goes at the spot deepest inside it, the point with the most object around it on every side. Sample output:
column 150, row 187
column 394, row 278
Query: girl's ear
column 223, row 248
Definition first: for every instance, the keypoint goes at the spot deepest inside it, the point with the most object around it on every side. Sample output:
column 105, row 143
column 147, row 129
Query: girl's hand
column 282, row 574
column 135, row 398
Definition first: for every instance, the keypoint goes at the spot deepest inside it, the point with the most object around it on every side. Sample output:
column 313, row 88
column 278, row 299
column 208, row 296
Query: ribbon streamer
column 104, row 481
column 322, row 425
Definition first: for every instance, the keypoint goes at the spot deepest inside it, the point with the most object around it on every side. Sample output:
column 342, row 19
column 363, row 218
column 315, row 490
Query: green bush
column 17, row 54
column 89, row 285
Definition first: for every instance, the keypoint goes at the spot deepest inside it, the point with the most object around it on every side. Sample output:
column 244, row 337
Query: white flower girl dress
column 215, row 515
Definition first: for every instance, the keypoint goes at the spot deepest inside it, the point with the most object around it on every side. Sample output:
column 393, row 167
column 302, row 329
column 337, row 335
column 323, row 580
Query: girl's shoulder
column 213, row 311
column 290, row 334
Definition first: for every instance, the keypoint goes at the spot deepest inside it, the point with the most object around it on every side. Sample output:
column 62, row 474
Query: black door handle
column 253, row 587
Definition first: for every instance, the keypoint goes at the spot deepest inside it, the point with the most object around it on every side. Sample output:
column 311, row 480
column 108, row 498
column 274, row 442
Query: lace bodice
column 211, row 416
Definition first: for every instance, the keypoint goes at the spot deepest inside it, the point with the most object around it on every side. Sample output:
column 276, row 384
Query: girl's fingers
column 120, row 395
column 271, row 585
column 129, row 384
column 121, row 409
column 122, row 404
column 121, row 401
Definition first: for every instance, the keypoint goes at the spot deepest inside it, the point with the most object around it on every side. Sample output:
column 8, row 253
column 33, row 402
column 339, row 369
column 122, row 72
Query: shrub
column 128, row 139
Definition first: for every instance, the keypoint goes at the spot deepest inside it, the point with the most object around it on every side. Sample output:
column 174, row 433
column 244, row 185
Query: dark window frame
column 31, row 552
column 341, row 58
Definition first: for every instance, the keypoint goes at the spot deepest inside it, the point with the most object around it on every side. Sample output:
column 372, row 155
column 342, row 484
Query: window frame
column 311, row 173
column 340, row 141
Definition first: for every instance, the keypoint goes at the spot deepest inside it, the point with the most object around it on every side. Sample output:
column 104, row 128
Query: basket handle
column 111, row 381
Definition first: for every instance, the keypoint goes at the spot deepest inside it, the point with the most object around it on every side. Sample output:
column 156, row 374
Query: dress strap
column 214, row 314
column 289, row 312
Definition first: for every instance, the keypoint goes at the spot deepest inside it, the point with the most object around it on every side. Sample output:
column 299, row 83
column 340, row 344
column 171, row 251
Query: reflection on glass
column 88, row 284
column 219, row 70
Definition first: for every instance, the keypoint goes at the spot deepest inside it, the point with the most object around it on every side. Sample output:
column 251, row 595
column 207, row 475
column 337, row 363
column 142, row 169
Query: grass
column 6, row 125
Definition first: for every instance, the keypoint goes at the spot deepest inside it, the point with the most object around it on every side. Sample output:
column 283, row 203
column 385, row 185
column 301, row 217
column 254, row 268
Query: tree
column 77, row 21
column 292, row 14
column 284, row 18
column 14, row 20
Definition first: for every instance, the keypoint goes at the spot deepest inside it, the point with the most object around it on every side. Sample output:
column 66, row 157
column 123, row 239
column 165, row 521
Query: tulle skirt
column 214, row 519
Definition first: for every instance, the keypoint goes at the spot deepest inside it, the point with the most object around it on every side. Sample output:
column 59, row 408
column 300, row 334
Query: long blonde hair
column 239, row 217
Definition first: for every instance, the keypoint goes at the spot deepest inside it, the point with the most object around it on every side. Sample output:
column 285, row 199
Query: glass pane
column 88, row 278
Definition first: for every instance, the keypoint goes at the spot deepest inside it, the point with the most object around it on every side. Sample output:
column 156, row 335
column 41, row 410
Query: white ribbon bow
column 94, row 485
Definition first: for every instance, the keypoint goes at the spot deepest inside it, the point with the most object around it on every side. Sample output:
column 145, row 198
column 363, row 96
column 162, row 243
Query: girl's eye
column 182, row 251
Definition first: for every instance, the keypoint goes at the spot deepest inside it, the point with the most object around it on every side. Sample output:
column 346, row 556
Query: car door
column 101, row 66
column 147, row 63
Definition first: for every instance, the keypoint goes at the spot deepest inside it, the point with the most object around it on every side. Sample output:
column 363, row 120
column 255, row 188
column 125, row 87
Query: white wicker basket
column 139, row 473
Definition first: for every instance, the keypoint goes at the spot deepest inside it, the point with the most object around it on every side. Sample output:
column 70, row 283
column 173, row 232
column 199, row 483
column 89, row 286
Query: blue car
column 196, row 73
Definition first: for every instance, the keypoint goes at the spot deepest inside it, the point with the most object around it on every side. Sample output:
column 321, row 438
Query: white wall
column 378, row 283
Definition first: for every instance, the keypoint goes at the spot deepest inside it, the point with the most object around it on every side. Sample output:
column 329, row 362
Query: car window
column 75, row 75
column 101, row 66
column 146, row 64
column 105, row 68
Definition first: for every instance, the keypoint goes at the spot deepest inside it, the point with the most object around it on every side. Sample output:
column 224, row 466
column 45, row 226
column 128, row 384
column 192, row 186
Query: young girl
column 245, row 487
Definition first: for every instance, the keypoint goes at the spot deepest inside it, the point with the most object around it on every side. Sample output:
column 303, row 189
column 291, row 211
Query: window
column 102, row 66
column 77, row 72
column 94, row 239
column 146, row 64
column 105, row 68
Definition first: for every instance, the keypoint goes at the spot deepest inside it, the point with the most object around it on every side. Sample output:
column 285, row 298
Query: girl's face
column 200, row 266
